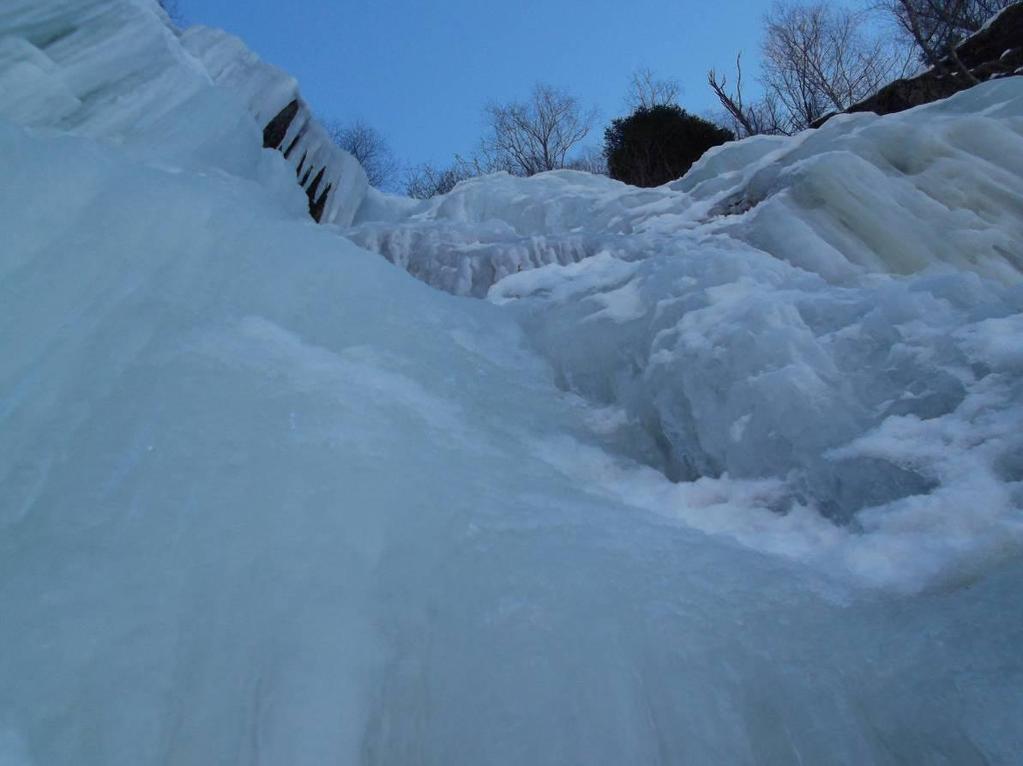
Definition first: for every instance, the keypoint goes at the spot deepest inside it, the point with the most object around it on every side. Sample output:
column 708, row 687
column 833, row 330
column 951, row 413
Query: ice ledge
column 333, row 179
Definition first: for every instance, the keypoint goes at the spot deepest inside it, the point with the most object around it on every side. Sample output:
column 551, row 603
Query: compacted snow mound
column 266, row 499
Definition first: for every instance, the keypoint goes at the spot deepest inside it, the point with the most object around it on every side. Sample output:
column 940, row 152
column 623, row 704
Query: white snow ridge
column 724, row 472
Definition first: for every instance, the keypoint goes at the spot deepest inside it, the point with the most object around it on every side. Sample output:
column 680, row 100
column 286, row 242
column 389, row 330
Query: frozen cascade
column 265, row 498
column 786, row 313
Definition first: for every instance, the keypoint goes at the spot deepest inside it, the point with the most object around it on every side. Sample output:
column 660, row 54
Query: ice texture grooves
column 671, row 495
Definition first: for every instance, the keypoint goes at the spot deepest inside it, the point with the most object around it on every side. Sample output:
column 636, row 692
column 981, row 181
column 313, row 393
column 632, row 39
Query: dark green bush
column 655, row 145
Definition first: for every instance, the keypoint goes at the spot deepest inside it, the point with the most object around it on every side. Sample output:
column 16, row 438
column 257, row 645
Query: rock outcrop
column 994, row 51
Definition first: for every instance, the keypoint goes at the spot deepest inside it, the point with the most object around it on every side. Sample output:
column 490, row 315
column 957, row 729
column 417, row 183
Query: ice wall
column 121, row 72
column 265, row 499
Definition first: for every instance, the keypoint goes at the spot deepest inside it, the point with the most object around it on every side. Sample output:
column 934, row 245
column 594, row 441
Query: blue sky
column 421, row 72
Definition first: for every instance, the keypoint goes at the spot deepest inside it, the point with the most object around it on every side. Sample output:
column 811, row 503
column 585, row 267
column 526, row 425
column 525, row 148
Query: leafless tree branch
column 369, row 147
column 646, row 90
column 537, row 135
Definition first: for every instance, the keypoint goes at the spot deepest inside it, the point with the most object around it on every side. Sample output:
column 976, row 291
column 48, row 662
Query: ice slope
column 265, row 499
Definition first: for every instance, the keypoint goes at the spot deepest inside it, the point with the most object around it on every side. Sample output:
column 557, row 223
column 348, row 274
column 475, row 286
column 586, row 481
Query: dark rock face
column 273, row 137
column 1003, row 34
column 316, row 207
column 311, row 189
column 277, row 128
column 994, row 51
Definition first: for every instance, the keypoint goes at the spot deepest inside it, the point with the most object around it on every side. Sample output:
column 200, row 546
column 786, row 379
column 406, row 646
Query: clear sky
column 421, row 71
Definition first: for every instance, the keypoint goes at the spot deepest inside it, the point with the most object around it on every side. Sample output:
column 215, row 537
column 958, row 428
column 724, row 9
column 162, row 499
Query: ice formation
column 729, row 471
column 121, row 72
column 939, row 185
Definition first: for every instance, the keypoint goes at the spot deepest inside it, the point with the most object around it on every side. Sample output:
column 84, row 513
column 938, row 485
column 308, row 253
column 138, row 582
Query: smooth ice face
column 265, row 498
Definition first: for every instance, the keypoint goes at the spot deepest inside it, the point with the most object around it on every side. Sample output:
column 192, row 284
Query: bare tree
column 426, row 180
column 818, row 58
column 370, row 148
column 935, row 27
column 589, row 160
column 745, row 118
column 537, row 135
column 523, row 138
column 646, row 90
